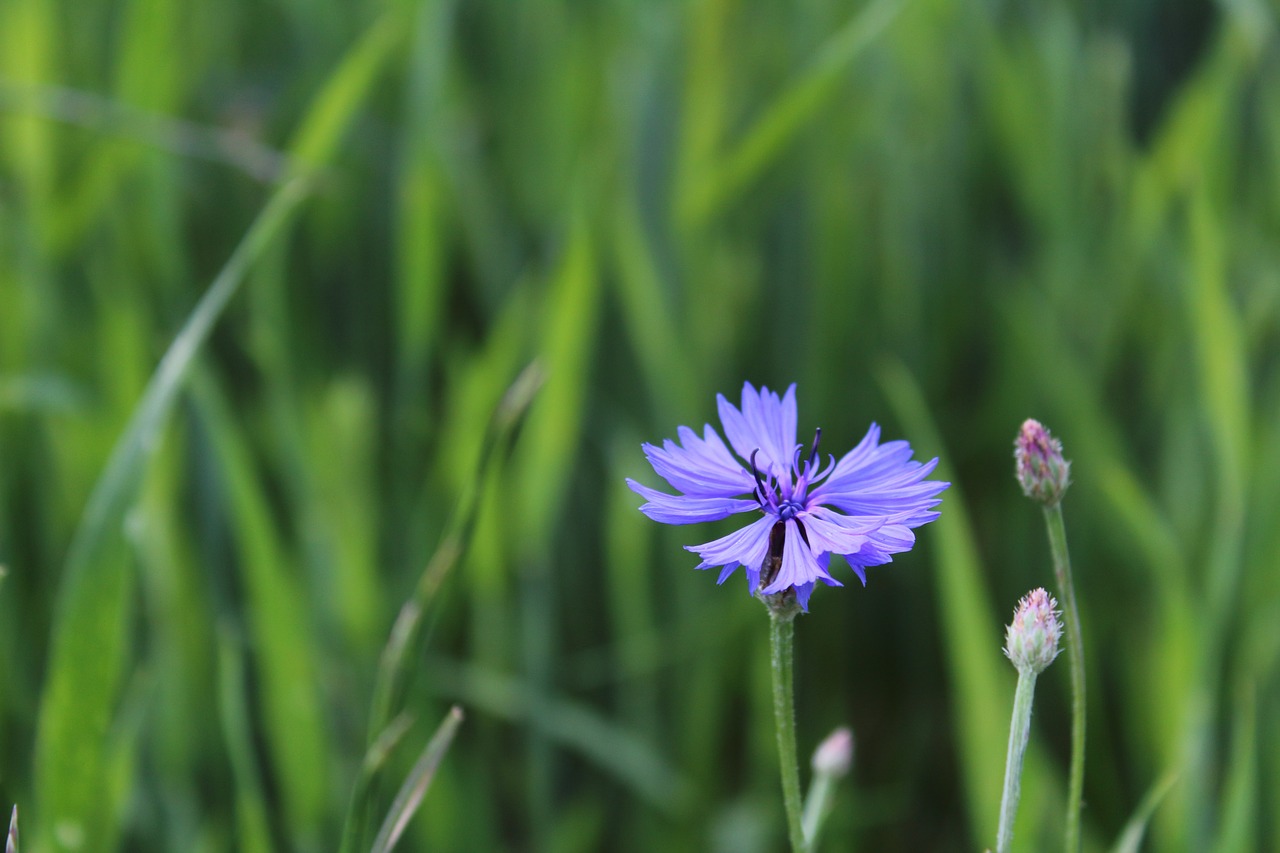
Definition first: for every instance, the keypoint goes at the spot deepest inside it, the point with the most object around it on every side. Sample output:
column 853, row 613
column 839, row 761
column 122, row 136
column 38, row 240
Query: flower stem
column 781, row 637
column 817, row 805
column 1075, row 660
column 1019, row 729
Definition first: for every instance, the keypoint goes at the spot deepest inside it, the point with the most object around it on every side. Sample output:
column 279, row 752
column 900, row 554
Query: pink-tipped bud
column 1032, row 640
column 834, row 756
column 1040, row 468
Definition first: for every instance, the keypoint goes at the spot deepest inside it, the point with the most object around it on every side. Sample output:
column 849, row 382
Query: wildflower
column 862, row 508
column 1039, row 466
column 1033, row 639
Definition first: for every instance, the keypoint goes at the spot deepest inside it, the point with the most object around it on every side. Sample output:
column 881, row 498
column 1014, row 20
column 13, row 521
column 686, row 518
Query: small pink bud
column 1039, row 465
column 834, row 756
column 1032, row 639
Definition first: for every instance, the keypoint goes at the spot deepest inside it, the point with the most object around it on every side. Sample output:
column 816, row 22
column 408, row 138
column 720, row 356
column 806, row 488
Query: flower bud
column 1032, row 639
column 1039, row 465
column 834, row 756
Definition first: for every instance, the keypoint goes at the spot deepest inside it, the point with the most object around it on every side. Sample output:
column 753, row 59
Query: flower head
column 1032, row 639
column 1039, row 466
column 862, row 508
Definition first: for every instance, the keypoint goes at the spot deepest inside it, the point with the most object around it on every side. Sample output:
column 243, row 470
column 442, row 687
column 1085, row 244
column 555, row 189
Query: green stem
column 1075, row 660
column 1019, row 730
column 781, row 637
column 816, row 806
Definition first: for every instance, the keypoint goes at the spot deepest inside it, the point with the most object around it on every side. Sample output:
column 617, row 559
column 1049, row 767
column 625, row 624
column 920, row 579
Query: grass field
column 269, row 270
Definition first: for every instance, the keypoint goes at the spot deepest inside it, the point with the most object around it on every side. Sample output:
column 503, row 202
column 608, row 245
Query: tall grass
column 267, row 270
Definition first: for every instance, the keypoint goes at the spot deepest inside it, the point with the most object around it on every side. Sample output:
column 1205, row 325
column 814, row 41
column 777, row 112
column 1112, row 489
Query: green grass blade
column 1130, row 840
column 253, row 831
column 415, row 786
column 981, row 678
column 88, row 643
column 549, row 440
column 314, row 143
column 788, row 115
column 284, row 651
column 89, row 622
column 1238, row 828
column 396, row 661
column 575, row 726
column 160, row 131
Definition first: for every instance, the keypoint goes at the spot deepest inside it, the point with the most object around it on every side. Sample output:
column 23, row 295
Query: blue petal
column 683, row 509
column 765, row 423
column 830, row 532
column 747, row 546
column 799, row 564
column 882, row 480
column 702, row 467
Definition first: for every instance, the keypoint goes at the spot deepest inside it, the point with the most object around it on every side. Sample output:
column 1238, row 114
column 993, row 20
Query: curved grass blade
column 415, row 785
column 11, row 842
column 1237, row 830
column 87, row 649
column 979, row 678
column 788, row 114
column 284, row 657
column 393, row 667
column 1130, row 840
column 109, row 116
column 571, row 724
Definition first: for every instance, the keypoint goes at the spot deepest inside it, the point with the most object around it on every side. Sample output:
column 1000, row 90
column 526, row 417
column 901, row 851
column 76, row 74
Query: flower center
column 788, row 508
column 777, row 492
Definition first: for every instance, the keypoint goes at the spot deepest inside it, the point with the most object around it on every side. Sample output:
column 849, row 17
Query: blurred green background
column 940, row 216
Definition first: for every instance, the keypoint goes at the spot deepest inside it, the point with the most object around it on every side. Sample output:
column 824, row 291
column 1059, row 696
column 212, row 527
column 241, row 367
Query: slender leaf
column 415, row 786
column 1130, row 840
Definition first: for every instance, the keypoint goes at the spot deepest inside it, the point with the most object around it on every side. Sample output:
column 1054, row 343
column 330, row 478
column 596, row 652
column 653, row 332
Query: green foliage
column 268, row 270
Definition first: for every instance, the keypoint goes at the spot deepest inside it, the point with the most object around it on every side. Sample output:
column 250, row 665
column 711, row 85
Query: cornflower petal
column 827, row 534
column 683, row 509
column 799, row 566
column 726, row 572
column 764, row 423
column 748, row 546
column 877, row 483
column 702, row 466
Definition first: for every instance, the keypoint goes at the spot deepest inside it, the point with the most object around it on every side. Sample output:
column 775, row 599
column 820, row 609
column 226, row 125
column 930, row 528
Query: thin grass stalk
column 395, row 663
column 409, row 798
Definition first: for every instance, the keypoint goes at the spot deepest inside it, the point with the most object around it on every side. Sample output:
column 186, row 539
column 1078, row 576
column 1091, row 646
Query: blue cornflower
column 862, row 507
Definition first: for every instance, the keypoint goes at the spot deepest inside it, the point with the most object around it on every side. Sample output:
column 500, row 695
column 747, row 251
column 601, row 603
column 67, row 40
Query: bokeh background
column 940, row 216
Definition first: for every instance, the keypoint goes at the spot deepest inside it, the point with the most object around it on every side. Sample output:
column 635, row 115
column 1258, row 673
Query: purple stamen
column 755, row 472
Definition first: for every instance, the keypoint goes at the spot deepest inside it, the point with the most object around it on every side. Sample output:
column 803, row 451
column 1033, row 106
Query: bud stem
column 1075, row 661
column 817, row 805
column 781, row 643
column 1019, row 731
